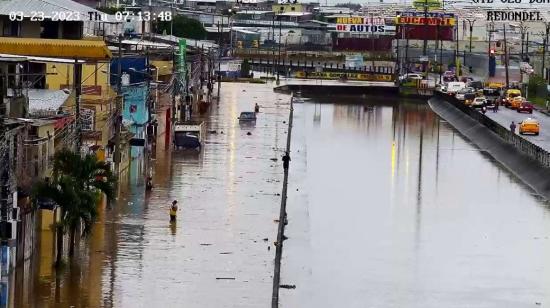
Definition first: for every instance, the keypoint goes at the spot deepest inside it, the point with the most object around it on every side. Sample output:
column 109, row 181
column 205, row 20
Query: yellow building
column 97, row 99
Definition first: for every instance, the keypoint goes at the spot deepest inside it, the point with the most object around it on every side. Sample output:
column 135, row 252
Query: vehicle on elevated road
column 508, row 95
column 529, row 126
column 525, row 107
column 516, row 102
column 454, row 87
column 479, row 102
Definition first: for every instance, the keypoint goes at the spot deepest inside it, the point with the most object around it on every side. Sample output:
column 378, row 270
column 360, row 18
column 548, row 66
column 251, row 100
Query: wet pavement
column 216, row 255
column 505, row 116
column 390, row 207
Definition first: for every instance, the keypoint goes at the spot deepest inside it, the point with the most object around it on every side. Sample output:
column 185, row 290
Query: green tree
column 183, row 27
column 76, row 187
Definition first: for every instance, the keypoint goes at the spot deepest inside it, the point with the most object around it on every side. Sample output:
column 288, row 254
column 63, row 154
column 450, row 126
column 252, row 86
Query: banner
column 431, row 19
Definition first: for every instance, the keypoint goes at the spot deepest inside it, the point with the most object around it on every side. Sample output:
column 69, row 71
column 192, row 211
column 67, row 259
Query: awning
column 74, row 49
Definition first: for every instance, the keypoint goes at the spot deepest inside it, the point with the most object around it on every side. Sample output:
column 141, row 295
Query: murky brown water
column 388, row 207
column 228, row 201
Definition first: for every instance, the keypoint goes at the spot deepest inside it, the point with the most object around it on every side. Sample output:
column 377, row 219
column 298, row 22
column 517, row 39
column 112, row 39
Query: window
column 11, row 28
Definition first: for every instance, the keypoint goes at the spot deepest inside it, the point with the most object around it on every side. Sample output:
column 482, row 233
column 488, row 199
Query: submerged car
column 525, row 107
column 529, row 126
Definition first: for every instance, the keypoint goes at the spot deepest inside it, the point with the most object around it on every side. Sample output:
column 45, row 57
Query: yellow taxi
column 529, row 126
column 509, row 94
column 515, row 102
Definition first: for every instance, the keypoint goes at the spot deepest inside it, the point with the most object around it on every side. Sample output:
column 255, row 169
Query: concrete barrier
column 527, row 161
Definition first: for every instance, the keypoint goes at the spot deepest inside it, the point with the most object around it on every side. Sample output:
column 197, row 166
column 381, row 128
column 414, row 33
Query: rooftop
column 46, row 101
column 48, row 7
column 294, row 14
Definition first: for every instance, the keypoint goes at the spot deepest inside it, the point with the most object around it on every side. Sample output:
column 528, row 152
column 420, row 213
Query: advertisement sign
column 425, row 33
column 360, row 20
column 350, row 76
column 135, row 104
column 432, row 19
column 373, row 29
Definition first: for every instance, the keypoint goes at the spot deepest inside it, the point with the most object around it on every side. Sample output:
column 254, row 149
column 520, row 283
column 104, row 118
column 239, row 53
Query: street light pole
column 506, row 57
column 471, row 24
column 279, row 56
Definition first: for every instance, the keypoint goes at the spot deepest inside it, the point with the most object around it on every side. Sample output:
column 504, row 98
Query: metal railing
column 526, row 147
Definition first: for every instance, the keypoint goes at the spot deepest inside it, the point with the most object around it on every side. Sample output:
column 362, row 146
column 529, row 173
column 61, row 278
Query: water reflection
column 400, row 211
column 136, row 258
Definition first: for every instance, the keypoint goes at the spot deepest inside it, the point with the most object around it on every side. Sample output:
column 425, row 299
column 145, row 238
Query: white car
column 479, row 102
column 411, row 76
column 453, row 87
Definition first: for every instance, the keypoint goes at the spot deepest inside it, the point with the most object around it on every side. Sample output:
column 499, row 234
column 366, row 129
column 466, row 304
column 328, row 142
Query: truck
column 189, row 135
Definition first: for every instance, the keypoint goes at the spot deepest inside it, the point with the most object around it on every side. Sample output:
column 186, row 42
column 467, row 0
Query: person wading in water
column 173, row 211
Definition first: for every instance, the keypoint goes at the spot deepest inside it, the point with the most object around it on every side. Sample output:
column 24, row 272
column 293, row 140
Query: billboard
column 429, row 18
column 360, row 20
column 371, row 29
column 425, row 33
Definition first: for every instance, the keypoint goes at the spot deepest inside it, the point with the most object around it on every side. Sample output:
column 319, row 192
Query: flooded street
column 390, row 207
column 215, row 256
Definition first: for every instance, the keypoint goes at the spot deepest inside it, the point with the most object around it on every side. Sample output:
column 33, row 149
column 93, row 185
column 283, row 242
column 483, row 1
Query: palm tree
column 76, row 187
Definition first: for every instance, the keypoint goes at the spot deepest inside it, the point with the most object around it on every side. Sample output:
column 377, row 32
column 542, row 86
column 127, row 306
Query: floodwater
column 390, row 207
column 214, row 256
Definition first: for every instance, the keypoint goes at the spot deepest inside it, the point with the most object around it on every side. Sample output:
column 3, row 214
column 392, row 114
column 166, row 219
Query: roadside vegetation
column 76, row 187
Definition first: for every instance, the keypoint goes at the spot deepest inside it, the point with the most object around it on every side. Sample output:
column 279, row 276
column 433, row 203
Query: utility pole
column 440, row 60
column 220, row 29
column 471, row 24
column 279, row 56
column 77, row 80
column 506, row 57
column 458, row 70
column 545, row 43
column 425, row 47
column 118, row 105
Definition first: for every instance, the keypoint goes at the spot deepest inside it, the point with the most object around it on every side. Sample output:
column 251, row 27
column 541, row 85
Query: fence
column 533, row 151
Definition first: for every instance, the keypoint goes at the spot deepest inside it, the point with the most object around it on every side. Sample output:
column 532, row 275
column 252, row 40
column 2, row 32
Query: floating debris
column 206, row 244
column 287, row 286
column 225, row 278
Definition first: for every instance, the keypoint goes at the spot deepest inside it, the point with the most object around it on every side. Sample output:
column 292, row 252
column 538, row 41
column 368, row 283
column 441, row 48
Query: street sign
column 431, row 4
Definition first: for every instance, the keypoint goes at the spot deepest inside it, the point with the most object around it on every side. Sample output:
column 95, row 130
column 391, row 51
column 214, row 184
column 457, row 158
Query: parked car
column 525, row 107
column 529, row 126
column 479, row 102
